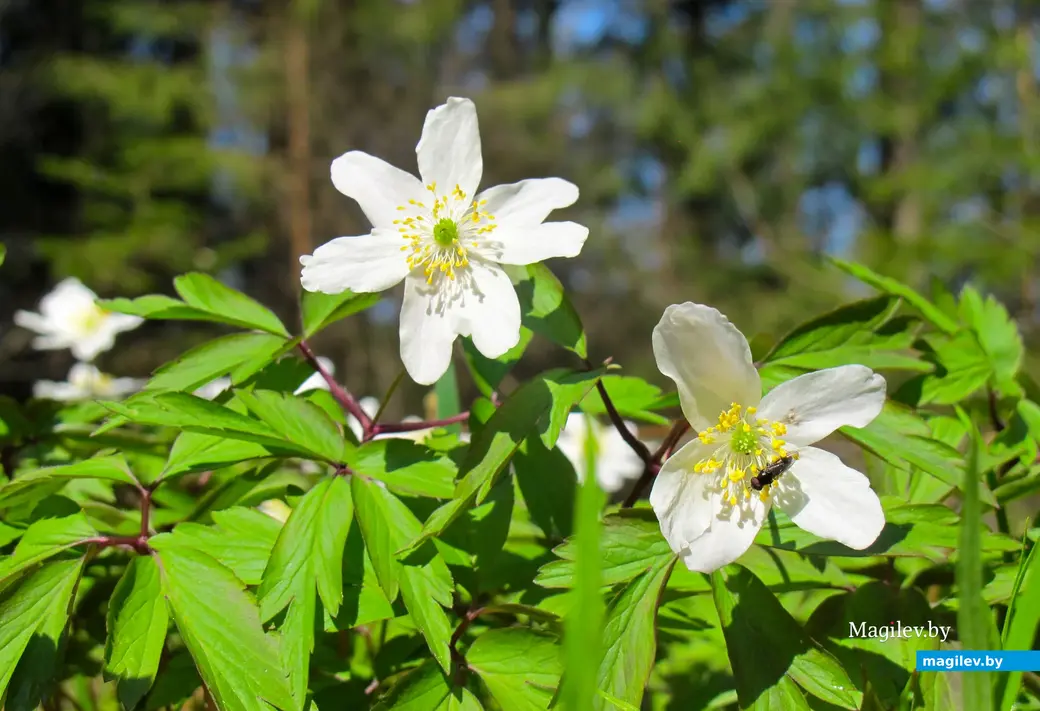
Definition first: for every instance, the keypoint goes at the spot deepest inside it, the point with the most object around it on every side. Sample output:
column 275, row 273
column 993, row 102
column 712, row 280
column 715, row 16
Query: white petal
column 118, row 323
column 709, row 360
column 369, row 405
column 682, row 499
column 528, row 202
column 68, row 297
column 449, row 150
column 519, row 244
column 732, row 532
column 89, row 345
column 367, row 263
column 32, row 321
column 119, row 387
column 490, row 314
column 427, row 332
column 60, row 392
column 327, row 364
column 52, row 342
column 815, row 404
column 617, row 463
column 830, row 500
column 378, row 187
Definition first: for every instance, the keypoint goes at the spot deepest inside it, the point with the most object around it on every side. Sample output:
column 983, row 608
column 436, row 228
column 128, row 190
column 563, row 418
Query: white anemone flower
column 69, row 317
column 86, row 382
column 444, row 240
column 616, row 463
column 707, row 505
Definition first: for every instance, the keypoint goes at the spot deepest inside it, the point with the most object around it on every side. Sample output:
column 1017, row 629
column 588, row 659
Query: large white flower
column 69, row 317
column 86, row 382
column 616, row 463
column 444, row 240
column 707, row 505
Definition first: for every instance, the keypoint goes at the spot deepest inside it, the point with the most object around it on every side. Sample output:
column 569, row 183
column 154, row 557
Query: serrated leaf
column 891, row 286
column 296, row 420
column 406, row 467
column 997, row 334
column 765, row 644
column 962, row 367
column 239, row 538
column 43, row 539
column 318, row 310
column 630, row 638
column 425, row 688
column 214, row 359
column 518, row 666
column 39, row 483
column 203, row 292
column 631, row 544
column 547, row 481
column 545, row 307
column 220, row 625
column 137, row 622
column 196, row 452
column 32, row 619
column 424, row 597
column 1021, row 623
column 538, row 408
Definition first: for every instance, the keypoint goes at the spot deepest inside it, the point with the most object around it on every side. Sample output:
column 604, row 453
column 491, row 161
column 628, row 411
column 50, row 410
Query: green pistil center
column 744, row 442
column 445, row 232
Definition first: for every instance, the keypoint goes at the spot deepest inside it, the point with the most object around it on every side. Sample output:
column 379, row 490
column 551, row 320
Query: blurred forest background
column 722, row 148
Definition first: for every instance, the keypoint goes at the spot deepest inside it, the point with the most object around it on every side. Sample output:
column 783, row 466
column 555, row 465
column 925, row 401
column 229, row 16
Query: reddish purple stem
column 342, row 395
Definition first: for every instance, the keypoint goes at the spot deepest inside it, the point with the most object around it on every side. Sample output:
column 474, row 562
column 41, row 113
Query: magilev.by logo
column 897, row 630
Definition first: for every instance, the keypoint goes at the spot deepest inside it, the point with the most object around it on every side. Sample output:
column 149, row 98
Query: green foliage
column 301, row 566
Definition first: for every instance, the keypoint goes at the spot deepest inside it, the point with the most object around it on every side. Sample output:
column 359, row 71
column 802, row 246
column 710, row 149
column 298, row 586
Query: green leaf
column 545, row 307
column 488, row 374
column 631, row 544
column 446, row 393
column 583, row 637
column 205, row 299
column 203, row 292
column 903, row 439
column 220, row 625
column 538, row 408
column 632, row 397
column 406, row 467
column 426, row 688
column 518, row 666
column 997, row 334
column 914, row 530
column 319, row 310
column 137, row 622
column 1020, row 625
column 630, row 639
column 891, row 286
column 43, row 539
column 974, row 623
column 32, row 621
column 766, row 646
column 214, row 359
column 296, row 420
column 363, row 598
column 40, row 483
column 308, row 553
column 962, row 367
column 3, row 253
column 425, row 583
column 240, row 539
column 548, row 482
column 195, row 452
column 862, row 332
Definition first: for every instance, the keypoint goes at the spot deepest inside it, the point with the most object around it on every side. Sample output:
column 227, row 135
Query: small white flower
column 615, row 461
column 69, row 317
column 444, row 240
column 708, row 509
column 86, row 382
